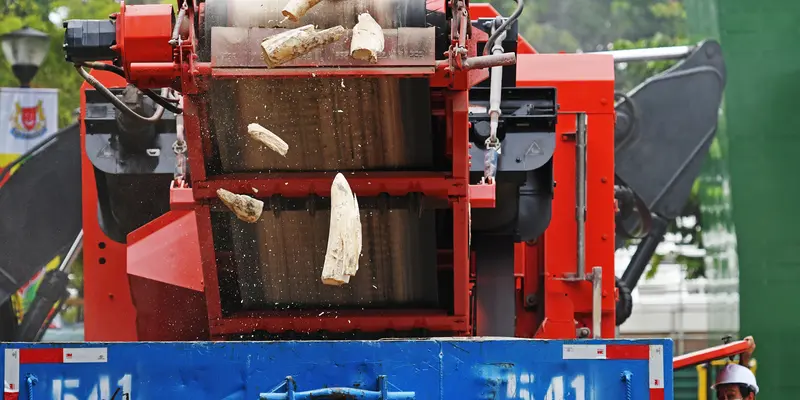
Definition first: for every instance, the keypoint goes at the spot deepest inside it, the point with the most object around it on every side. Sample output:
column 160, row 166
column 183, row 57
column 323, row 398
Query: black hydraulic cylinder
column 8, row 321
column 52, row 291
column 644, row 252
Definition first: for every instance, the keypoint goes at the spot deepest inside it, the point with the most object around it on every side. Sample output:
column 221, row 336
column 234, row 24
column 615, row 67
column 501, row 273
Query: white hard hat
column 737, row 374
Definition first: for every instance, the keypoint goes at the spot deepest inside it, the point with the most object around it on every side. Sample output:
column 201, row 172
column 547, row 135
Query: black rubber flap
column 40, row 210
column 676, row 115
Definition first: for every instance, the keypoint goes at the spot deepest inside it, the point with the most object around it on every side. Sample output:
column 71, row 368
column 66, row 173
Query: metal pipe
column 72, row 254
column 481, row 62
column 650, row 54
column 597, row 299
column 580, row 192
column 495, row 90
column 644, row 252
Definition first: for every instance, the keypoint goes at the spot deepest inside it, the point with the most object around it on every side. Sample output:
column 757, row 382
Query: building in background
column 693, row 312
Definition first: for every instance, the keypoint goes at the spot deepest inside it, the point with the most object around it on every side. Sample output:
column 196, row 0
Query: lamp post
column 25, row 49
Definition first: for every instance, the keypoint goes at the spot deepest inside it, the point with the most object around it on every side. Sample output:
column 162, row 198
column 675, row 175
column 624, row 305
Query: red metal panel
column 143, row 34
column 349, row 72
column 167, row 250
column 363, row 184
column 198, row 138
column 338, row 322
column 110, row 315
column 167, row 312
column 528, row 260
column 710, row 354
column 583, row 69
column 458, row 123
column 584, row 83
column 209, row 263
column 482, row 196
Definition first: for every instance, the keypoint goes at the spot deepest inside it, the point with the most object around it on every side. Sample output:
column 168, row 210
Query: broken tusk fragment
column 296, row 9
column 245, row 207
column 344, row 235
column 368, row 39
column 289, row 45
column 268, row 138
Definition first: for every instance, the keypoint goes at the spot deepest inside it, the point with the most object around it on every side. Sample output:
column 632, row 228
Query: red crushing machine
column 485, row 173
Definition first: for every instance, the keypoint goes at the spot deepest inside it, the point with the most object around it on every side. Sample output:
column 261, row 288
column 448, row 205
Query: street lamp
column 25, row 49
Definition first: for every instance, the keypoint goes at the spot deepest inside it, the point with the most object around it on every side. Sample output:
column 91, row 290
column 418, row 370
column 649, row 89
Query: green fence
column 685, row 384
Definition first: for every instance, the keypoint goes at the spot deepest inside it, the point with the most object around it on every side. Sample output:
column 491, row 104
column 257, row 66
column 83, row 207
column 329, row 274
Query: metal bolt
column 530, row 300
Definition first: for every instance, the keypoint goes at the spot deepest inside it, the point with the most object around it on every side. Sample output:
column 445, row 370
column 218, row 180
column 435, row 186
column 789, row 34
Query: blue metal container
column 451, row 368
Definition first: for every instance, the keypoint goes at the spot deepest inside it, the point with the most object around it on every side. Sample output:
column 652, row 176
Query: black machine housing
column 132, row 161
column 526, row 130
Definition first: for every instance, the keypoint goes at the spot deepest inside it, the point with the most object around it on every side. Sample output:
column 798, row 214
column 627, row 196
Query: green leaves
column 46, row 16
column 592, row 25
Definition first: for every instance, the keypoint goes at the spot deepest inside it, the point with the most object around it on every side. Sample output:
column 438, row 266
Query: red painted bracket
column 482, row 195
column 180, row 197
column 710, row 354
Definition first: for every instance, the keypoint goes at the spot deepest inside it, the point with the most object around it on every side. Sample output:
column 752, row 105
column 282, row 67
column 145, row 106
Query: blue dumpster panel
column 451, row 368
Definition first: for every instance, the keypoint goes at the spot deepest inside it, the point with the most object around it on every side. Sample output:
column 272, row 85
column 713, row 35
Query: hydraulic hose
column 162, row 103
column 504, row 27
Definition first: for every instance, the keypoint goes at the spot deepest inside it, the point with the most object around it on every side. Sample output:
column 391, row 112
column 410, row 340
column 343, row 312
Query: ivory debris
column 344, row 235
column 368, row 39
column 245, row 207
column 268, row 138
column 289, row 45
column 296, row 9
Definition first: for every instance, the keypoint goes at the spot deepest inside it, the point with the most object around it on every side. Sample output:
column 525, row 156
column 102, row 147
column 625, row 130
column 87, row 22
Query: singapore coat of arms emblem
column 28, row 122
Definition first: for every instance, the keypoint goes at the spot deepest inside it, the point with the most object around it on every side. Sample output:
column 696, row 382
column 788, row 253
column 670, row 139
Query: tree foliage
column 55, row 72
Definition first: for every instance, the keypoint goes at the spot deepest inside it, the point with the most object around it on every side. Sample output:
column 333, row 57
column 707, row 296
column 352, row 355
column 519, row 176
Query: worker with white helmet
column 736, row 381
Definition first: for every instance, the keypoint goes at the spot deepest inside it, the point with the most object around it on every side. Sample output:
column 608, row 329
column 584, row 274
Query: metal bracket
column 289, row 386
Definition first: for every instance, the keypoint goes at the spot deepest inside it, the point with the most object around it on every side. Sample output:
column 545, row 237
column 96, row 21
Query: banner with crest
column 27, row 115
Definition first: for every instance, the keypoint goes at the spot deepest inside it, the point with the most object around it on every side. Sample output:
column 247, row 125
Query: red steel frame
column 584, row 83
column 109, row 310
column 177, row 291
column 710, row 354
column 143, row 32
column 453, row 186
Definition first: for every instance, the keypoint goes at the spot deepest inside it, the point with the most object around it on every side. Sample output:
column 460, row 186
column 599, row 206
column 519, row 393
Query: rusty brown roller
column 330, row 124
column 279, row 261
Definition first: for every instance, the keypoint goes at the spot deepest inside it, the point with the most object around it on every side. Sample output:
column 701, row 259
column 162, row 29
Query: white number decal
column 579, row 385
column 63, row 388
column 556, row 390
